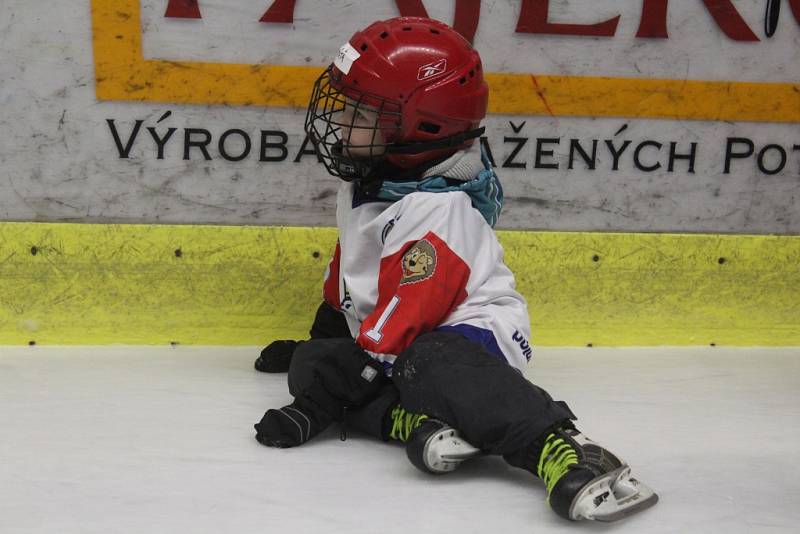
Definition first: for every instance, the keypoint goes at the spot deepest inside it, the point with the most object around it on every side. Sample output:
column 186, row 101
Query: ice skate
column 437, row 448
column 431, row 445
column 403, row 423
column 586, row 481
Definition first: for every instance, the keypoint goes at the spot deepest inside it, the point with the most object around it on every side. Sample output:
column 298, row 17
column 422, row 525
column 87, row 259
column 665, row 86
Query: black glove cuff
column 348, row 377
column 277, row 356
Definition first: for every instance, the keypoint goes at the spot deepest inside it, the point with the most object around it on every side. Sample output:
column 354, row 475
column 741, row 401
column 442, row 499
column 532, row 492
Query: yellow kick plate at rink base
column 122, row 73
column 225, row 285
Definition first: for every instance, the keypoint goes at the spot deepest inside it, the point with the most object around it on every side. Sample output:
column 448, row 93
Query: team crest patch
column 419, row 262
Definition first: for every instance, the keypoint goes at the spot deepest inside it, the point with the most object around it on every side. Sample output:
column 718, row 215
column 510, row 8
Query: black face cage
column 330, row 129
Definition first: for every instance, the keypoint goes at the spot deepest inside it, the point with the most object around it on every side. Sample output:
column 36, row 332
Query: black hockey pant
column 450, row 378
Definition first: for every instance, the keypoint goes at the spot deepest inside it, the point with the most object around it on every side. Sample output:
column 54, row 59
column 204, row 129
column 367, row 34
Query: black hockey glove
column 277, row 356
column 342, row 379
column 291, row 425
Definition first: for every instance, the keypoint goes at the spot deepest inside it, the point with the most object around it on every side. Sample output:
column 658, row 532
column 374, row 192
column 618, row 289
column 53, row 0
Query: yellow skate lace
column 556, row 458
column 404, row 423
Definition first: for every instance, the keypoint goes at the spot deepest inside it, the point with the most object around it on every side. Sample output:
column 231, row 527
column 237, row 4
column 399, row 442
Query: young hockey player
column 422, row 337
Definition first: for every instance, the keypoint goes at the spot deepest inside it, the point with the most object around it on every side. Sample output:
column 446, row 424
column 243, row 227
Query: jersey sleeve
column 419, row 284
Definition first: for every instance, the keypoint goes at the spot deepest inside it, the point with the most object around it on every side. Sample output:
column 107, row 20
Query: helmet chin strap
column 425, row 146
column 384, row 170
column 349, row 169
column 371, row 176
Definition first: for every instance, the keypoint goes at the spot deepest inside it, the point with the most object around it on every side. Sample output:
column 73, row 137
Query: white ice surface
column 152, row 440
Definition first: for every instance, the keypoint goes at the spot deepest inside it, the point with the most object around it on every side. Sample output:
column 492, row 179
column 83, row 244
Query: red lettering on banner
column 795, row 5
column 411, row 8
column 729, row 20
column 281, row 11
column 468, row 14
column 653, row 23
column 654, row 19
column 533, row 19
column 183, row 9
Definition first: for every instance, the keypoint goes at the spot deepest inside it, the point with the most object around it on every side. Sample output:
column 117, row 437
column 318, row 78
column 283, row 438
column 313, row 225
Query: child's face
column 360, row 131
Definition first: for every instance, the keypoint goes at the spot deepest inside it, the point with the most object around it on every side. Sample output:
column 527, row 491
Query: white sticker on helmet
column 345, row 58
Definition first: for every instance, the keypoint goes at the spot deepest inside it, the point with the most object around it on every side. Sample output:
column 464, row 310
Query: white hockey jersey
column 428, row 261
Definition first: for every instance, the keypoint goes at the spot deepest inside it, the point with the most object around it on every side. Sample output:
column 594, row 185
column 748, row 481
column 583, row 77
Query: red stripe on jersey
column 418, row 287
column 330, row 288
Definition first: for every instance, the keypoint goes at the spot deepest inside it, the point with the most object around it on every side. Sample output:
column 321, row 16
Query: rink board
column 230, row 285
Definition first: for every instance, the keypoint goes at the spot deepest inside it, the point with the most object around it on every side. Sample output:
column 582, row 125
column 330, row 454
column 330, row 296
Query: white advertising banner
column 654, row 115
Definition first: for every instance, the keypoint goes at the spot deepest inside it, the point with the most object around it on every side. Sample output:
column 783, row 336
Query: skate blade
column 613, row 496
column 446, row 449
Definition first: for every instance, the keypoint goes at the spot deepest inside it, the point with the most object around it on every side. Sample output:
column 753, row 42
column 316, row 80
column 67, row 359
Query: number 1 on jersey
column 375, row 333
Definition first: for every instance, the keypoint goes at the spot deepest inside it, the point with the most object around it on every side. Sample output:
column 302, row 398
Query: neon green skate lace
column 556, row 458
column 404, row 423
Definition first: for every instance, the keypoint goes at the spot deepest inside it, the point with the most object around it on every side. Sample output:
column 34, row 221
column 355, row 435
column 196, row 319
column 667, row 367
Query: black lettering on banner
column 160, row 141
column 516, row 128
column 126, row 150
column 782, row 155
column 673, row 155
column 485, row 145
column 509, row 163
column 770, row 159
column 188, row 142
column 730, row 154
column 575, row 146
column 796, row 148
column 616, row 153
column 280, row 146
column 304, row 151
column 540, row 153
column 771, row 17
column 637, row 162
column 247, row 145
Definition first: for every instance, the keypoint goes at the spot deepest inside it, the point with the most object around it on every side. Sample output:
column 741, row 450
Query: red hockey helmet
column 418, row 83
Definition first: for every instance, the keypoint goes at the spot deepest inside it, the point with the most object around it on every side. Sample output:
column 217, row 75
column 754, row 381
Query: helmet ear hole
column 429, row 127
